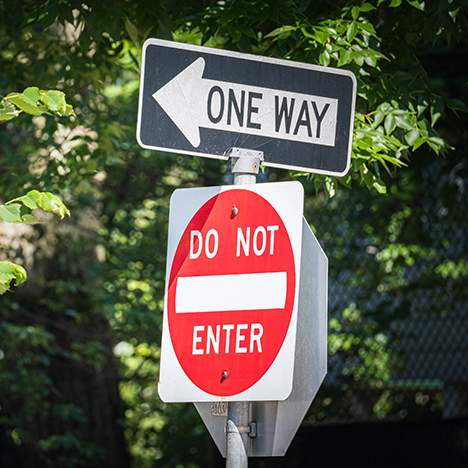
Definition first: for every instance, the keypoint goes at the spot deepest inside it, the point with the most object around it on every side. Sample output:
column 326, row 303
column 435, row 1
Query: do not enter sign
column 232, row 280
column 231, row 292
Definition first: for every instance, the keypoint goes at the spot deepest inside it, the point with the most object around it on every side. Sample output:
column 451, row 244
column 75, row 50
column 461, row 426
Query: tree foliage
column 35, row 102
column 89, row 320
column 398, row 108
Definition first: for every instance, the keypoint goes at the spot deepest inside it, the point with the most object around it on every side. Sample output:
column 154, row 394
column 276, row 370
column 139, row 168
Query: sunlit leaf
column 54, row 101
column 11, row 272
column 25, row 103
column 12, row 211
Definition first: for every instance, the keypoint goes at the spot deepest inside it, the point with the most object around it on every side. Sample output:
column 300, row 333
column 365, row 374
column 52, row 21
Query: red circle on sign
column 245, row 259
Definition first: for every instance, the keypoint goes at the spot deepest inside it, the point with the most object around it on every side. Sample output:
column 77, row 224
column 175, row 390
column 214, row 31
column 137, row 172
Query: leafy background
column 79, row 341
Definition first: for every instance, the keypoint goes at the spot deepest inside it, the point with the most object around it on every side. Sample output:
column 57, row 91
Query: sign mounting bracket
column 245, row 160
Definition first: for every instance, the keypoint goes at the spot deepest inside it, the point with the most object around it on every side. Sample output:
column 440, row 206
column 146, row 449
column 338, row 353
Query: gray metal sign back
column 202, row 101
column 278, row 421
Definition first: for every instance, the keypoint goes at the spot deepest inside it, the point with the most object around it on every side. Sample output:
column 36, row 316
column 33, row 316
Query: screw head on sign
column 234, row 211
column 224, row 375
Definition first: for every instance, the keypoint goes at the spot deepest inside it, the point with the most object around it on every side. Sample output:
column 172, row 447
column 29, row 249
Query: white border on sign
column 276, row 384
column 258, row 58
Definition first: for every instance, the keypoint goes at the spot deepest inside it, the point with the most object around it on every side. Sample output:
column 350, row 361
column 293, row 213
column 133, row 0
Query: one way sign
column 202, row 101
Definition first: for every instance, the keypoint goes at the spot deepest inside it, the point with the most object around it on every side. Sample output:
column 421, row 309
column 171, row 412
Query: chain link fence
column 398, row 331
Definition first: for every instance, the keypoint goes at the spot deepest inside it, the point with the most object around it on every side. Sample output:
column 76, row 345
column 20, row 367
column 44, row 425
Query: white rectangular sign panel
column 232, row 279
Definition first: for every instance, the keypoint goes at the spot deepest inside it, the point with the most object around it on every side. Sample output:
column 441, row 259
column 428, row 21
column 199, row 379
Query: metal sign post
column 244, row 167
column 243, row 267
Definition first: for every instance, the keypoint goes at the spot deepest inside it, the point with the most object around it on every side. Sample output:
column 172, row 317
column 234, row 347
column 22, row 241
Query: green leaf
column 454, row 13
column 132, row 31
column 365, row 7
column 435, row 143
column 378, row 118
column 411, row 136
column 371, row 61
column 403, row 122
column 391, row 159
column 25, row 103
column 29, row 200
column 35, row 102
column 11, row 272
column 358, row 58
column 54, row 101
column 379, row 187
column 345, row 57
column 281, row 30
column 324, row 58
column 417, row 4
column 32, row 93
column 369, row 28
column 389, row 124
column 352, row 31
column 419, row 141
column 330, row 186
column 7, row 111
column 320, row 35
column 12, row 211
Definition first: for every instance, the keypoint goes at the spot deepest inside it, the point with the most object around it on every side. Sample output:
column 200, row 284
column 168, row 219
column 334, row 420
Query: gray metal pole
column 237, row 434
column 245, row 165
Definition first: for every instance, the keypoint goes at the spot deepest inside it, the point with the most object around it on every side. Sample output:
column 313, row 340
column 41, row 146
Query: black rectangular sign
column 203, row 101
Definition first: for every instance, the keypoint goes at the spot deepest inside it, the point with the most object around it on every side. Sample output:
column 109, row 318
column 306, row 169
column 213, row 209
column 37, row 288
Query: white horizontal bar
column 251, row 291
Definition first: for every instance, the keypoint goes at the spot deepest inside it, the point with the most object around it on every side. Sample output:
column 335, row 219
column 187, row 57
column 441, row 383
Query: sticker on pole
column 231, row 293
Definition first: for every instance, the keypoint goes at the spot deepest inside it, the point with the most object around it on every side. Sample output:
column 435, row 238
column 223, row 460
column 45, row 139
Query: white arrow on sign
column 193, row 102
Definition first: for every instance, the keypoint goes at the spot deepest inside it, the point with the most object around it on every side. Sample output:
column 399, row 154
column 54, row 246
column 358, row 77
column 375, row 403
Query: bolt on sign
column 202, row 101
column 232, row 281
